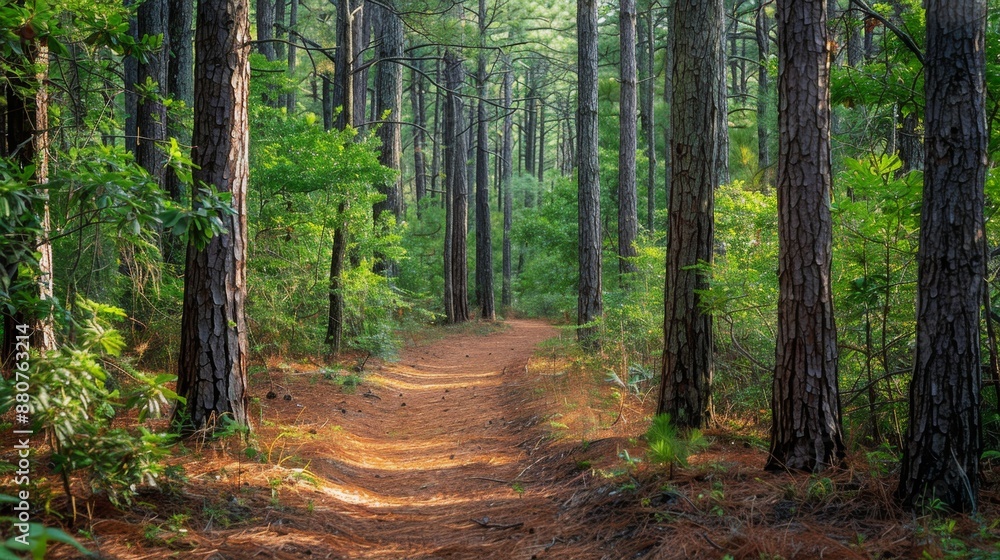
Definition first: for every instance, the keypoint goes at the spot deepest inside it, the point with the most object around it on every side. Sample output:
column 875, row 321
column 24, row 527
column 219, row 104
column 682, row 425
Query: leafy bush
column 75, row 401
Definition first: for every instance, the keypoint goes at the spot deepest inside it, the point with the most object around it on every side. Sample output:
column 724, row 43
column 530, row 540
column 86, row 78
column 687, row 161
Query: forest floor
column 489, row 442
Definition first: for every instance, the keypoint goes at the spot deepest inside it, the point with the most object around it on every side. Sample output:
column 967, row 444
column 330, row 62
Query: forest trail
column 452, row 451
column 487, row 442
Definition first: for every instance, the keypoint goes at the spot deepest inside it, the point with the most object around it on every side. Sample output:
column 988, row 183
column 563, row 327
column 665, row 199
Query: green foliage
column 301, row 176
column 37, row 539
column 668, row 445
column 75, row 400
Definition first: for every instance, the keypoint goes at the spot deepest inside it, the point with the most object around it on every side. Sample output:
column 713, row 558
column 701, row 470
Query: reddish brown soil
column 477, row 446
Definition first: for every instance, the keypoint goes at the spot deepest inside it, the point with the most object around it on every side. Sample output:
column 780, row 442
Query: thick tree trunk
column 484, row 225
column 628, row 219
column 944, row 434
column 151, row 115
column 506, row 173
column 590, row 304
column 388, row 105
column 909, row 145
column 685, row 391
column 806, row 431
column 456, row 150
column 213, row 354
column 279, row 24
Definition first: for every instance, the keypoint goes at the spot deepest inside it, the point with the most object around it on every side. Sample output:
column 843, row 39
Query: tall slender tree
column 590, row 303
column 213, row 354
column 151, row 113
column 388, row 104
column 456, row 290
column 685, row 391
column 806, row 431
column 506, row 173
column 484, row 234
column 943, row 436
column 628, row 219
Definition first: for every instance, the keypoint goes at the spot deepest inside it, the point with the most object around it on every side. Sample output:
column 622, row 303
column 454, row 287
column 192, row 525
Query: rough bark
column 506, row 172
column 151, row 113
column 628, row 220
column 646, row 113
column 27, row 142
column 388, row 105
column 180, row 83
column 265, row 29
column 130, row 69
column 590, row 304
column 418, row 101
column 944, row 435
column 293, row 20
column 484, row 225
column 456, row 150
column 806, row 431
column 685, row 391
column 213, row 353
column 722, row 131
column 763, row 97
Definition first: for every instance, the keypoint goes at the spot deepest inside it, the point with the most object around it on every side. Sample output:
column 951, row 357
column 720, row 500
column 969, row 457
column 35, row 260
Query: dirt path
column 438, row 455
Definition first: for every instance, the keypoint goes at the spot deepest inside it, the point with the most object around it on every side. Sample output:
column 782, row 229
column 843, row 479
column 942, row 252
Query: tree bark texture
column 418, row 99
column 685, row 390
column 628, row 218
column 265, row 29
column 388, row 105
column 506, row 173
column 647, row 115
column 590, row 304
column 944, row 435
column 293, row 21
column 151, row 113
column 180, row 81
column 130, row 69
column 27, row 142
column 763, row 97
column 806, row 431
column 456, row 176
column 213, row 353
column 484, row 224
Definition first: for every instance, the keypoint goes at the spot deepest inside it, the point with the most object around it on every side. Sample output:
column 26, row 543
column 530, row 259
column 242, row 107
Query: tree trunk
column 279, row 24
column 388, row 105
column 763, row 98
column 265, row 29
column 335, row 318
column 180, row 85
column 151, row 115
column 130, row 69
column 362, row 39
column 506, row 172
column 293, row 20
column 685, row 391
column 458, row 193
column 944, row 434
column 806, row 431
column 27, row 141
column 628, row 225
column 722, row 131
column 484, row 225
column 213, row 354
column 417, row 99
column 646, row 113
column 589, row 299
